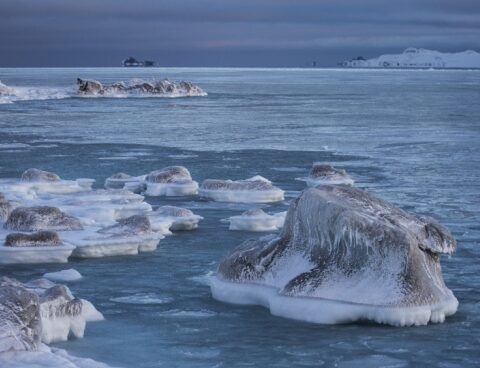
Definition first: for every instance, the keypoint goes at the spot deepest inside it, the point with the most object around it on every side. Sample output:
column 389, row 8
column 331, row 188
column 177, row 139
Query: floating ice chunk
column 170, row 181
column 64, row 275
column 254, row 190
column 127, row 237
column 135, row 184
column 37, row 175
column 159, row 88
column 257, row 220
column 41, row 218
column 343, row 256
column 180, row 218
column 321, row 174
column 39, row 247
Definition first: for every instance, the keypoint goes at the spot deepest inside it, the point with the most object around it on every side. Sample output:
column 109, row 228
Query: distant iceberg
column 419, row 58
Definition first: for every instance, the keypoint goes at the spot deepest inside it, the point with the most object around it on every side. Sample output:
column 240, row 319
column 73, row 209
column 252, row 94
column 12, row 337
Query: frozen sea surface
column 412, row 137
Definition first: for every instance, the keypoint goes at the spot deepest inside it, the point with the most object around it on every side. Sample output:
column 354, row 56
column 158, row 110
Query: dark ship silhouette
column 132, row 62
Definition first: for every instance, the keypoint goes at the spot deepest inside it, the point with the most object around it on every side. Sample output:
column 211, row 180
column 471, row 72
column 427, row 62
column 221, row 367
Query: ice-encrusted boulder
column 36, row 175
column 133, row 225
column 179, row 218
column 41, row 218
column 327, row 174
column 125, row 181
column 170, row 181
column 20, row 324
column 344, row 255
column 45, row 238
column 162, row 87
column 257, row 220
column 253, row 190
column 5, row 207
column 40, row 311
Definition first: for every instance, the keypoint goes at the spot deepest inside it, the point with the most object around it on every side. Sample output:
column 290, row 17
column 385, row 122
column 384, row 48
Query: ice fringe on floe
column 257, row 220
column 64, row 275
column 159, row 88
column 322, row 174
column 36, row 313
column 178, row 217
column 170, row 181
column 343, row 256
column 253, row 190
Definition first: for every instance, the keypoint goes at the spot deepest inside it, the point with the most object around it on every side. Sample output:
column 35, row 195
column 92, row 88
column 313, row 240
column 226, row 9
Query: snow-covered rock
column 136, row 184
column 326, row 174
column 41, row 218
column 343, row 256
column 39, row 175
column 257, row 220
column 419, row 58
column 253, row 190
column 170, row 181
column 180, row 218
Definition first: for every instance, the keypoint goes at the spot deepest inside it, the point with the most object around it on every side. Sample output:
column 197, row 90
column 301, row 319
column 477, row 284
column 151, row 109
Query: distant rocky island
column 132, row 62
column 419, row 58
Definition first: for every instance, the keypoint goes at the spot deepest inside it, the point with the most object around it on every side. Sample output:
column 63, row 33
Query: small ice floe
column 37, row 247
column 139, row 87
column 36, row 182
column 180, row 218
column 343, row 256
column 135, row 184
column 128, row 236
column 257, row 220
column 39, row 312
column 170, row 181
column 254, row 190
column 64, row 275
column 321, row 174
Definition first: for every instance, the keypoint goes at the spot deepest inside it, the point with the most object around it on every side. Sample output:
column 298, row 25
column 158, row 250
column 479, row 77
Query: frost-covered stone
column 162, row 87
column 344, row 255
column 45, row 238
column 41, row 218
column 253, row 190
column 170, row 181
column 34, row 175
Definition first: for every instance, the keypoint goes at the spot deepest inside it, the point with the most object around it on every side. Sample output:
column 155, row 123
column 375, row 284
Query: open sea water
column 411, row 137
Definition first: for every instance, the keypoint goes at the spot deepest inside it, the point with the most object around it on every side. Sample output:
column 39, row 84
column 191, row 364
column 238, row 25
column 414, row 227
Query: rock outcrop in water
column 344, row 255
column 33, row 175
column 44, row 238
column 321, row 174
column 138, row 86
column 41, row 218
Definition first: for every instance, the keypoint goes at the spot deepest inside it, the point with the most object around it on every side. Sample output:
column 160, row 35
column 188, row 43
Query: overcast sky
column 228, row 32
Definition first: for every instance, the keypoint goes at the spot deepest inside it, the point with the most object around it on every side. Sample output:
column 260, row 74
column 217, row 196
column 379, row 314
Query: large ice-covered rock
column 41, row 218
column 343, row 256
column 253, row 190
column 257, row 220
column 170, row 181
column 179, row 218
column 419, row 58
column 326, row 174
column 140, row 87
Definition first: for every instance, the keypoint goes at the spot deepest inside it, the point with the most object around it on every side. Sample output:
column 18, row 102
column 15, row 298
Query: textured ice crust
column 343, row 256
column 257, row 220
column 321, row 174
column 253, row 190
column 170, row 181
column 139, row 87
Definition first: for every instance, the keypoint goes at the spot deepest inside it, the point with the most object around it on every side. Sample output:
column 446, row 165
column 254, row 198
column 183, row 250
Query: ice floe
column 170, row 181
column 344, row 256
column 253, row 190
column 257, row 220
column 180, row 218
column 321, row 174
column 64, row 275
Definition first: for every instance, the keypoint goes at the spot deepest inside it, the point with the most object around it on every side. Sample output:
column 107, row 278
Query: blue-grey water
column 412, row 137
